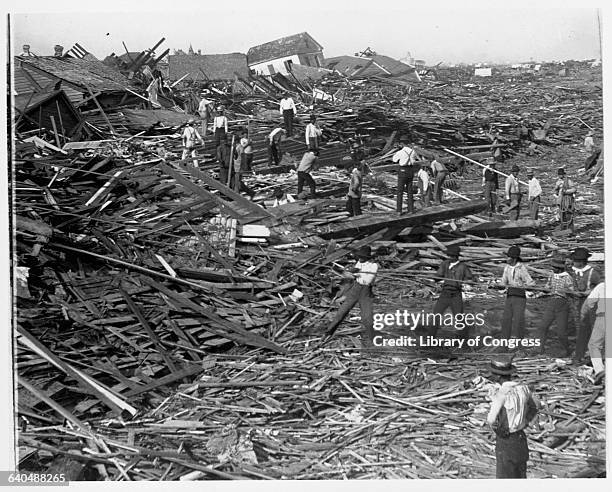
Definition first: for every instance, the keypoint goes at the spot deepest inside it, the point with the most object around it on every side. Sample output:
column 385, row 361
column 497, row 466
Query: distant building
column 483, row 72
column 280, row 55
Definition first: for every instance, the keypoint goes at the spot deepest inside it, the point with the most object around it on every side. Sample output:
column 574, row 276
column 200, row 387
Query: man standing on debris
column 308, row 162
column 515, row 278
column 454, row 273
column 312, row 134
column 585, row 277
column 565, row 191
column 220, row 126
column 439, row 173
column 513, row 407
column 597, row 298
column 204, row 110
column 490, row 182
column 560, row 284
column 247, row 153
column 288, row 111
column 405, row 157
column 513, row 193
column 424, row 184
column 353, row 197
column 364, row 274
column 534, row 195
column 190, row 137
column 274, row 149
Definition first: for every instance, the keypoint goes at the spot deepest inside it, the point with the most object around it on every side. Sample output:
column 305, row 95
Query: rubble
column 169, row 328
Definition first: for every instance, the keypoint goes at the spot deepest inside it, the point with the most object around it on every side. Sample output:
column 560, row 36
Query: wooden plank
column 219, row 325
column 360, row 226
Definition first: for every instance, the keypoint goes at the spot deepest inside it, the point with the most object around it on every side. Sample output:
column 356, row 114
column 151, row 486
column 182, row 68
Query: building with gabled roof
column 279, row 55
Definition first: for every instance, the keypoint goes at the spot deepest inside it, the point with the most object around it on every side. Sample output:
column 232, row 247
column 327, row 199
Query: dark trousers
column 238, row 185
column 490, row 195
column 246, row 162
column 511, row 455
column 219, row 136
column 405, row 176
column 353, row 206
column 534, row 207
column 439, row 186
column 452, row 300
column 223, row 172
column 513, row 321
column 361, row 294
column 313, row 143
column 288, row 117
column 515, row 201
column 584, row 328
column 304, row 177
column 274, row 154
column 557, row 310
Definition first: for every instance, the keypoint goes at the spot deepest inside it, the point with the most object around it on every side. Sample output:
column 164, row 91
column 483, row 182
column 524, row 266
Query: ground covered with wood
column 169, row 328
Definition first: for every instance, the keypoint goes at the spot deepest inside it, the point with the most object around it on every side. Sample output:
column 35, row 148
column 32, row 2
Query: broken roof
column 215, row 67
column 79, row 72
column 297, row 44
column 368, row 65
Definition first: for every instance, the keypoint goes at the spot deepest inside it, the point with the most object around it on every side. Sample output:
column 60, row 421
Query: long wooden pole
column 481, row 165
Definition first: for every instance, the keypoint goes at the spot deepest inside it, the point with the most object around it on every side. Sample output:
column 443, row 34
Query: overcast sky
column 445, row 31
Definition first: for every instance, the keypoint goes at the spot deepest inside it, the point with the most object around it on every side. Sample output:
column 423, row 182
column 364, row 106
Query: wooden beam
column 101, row 110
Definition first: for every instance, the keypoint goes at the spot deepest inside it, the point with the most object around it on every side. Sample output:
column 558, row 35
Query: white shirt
column 367, row 272
column 598, row 297
column 406, row 156
column 190, row 135
column 311, row 131
column 287, row 103
column 274, row 132
column 203, row 105
column 424, row 177
column 220, row 122
column 514, row 397
column 535, row 189
column 589, row 144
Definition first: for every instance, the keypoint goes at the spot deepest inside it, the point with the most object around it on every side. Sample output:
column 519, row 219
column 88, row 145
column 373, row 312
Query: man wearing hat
column 364, row 274
column 288, row 111
column 513, row 407
column 560, row 284
column 204, row 111
column 220, row 126
column 585, row 277
column 189, row 138
column 439, row 172
column 533, row 195
column 516, row 278
column 490, row 182
column 454, row 273
column 565, row 191
column 513, row 193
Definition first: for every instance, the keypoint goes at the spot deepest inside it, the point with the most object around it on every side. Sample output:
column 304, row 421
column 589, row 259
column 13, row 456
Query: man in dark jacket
column 454, row 272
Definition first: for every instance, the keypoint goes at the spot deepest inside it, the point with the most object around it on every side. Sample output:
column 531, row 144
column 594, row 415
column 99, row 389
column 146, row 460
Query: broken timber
column 361, row 226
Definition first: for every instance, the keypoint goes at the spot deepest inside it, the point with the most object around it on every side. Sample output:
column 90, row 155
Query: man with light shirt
column 312, row 134
column 516, row 278
column 274, row 150
column 513, row 193
column 534, row 195
column 405, row 157
column 364, row 274
column 597, row 300
column 288, row 111
column 308, row 162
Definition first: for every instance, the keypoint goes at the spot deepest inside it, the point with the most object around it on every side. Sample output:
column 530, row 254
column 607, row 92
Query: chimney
column 199, row 52
column 59, row 50
column 26, row 50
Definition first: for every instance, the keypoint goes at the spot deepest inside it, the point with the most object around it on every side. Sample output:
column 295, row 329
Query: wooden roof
column 78, row 72
column 365, row 65
column 297, row 44
column 216, row 67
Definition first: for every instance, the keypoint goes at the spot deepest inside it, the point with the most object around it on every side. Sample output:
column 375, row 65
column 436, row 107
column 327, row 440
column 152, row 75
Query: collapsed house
column 280, row 55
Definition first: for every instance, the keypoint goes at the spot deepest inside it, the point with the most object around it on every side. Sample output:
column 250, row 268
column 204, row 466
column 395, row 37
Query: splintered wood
column 169, row 328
